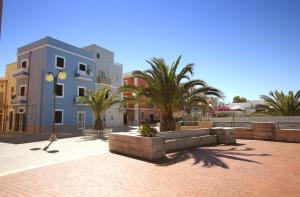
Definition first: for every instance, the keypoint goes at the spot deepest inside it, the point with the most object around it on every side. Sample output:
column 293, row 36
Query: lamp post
column 61, row 75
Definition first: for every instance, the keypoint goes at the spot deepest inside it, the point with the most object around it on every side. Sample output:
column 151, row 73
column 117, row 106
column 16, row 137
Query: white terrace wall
column 259, row 119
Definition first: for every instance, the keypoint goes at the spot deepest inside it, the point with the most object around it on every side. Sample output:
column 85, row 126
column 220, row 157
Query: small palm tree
column 280, row 104
column 167, row 90
column 99, row 101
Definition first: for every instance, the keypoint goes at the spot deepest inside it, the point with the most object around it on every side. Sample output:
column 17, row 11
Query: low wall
column 183, row 134
column 132, row 144
column 267, row 131
column 184, row 143
column 200, row 125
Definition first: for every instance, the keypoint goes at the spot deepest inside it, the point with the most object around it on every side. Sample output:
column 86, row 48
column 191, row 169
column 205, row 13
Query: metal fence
column 257, row 119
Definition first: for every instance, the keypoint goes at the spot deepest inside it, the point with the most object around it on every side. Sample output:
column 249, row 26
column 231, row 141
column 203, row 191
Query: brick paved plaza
column 252, row 168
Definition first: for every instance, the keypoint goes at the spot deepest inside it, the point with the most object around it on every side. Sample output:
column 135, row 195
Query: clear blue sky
column 245, row 48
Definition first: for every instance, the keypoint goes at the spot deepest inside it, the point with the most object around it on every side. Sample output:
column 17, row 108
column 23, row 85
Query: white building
column 108, row 73
column 249, row 106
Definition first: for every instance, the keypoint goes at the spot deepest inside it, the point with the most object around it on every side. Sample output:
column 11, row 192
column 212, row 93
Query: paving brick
column 251, row 168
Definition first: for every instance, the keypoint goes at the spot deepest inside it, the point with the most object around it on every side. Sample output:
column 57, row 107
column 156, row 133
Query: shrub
column 147, row 131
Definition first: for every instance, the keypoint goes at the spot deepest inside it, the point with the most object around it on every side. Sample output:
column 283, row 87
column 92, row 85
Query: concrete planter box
column 151, row 148
column 225, row 135
column 132, row 144
column 206, row 125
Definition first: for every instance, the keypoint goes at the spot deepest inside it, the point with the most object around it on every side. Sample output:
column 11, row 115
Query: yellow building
column 10, row 93
column 7, row 92
column 3, row 90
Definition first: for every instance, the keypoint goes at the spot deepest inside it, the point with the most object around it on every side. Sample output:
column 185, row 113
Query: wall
column 40, row 92
column 113, row 117
column 267, row 131
column 259, row 119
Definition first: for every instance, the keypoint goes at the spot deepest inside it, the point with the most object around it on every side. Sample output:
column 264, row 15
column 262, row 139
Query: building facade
column 108, row 74
column 136, row 114
column 29, row 97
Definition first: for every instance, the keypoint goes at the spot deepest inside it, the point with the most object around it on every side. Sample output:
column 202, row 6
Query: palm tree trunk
column 98, row 124
column 167, row 123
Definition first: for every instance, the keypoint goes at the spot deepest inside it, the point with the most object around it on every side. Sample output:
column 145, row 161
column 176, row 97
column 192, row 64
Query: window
column 98, row 55
column 59, row 113
column 59, row 90
column 142, row 114
column 24, row 63
column 81, row 91
column 117, row 77
column 21, row 110
column 12, row 89
column 82, row 66
column 22, row 90
column 59, row 62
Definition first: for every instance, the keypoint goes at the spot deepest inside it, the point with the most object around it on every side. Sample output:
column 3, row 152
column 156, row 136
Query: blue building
column 32, row 106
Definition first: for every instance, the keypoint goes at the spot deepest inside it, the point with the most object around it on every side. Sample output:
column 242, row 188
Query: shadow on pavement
column 53, row 151
column 209, row 157
column 33, row 149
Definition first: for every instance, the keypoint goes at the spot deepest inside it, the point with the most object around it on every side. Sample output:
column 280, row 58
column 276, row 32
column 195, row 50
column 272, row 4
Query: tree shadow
column 34, row 149
column 53, row 151
column 91, row 138
column 210, row 157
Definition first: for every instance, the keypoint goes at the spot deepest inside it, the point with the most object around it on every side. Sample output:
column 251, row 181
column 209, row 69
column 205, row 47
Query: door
column 151, row 116
column 10, row 120
column 20, row 122
column 1, row 120
column 17, row 122
column 125, row 118
column 81, row 120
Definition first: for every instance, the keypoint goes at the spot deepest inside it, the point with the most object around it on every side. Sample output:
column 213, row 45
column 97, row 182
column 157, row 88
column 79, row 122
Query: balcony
column 78, row 101
column 103, row 80
column 84, row 75
column 20, row 73
column 19, row 100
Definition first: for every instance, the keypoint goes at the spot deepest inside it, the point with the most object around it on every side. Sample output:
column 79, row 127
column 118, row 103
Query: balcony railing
column 103, row 80
column 20, row 73
column 86, row 75
column 18, row 100
column 78, row 101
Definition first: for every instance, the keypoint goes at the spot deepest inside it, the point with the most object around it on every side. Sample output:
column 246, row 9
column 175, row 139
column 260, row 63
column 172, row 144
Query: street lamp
column 61, row 75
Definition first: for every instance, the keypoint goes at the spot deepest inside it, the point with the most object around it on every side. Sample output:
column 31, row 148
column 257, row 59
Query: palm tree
column 280, row 104
column 99, row 101
column 167, row 90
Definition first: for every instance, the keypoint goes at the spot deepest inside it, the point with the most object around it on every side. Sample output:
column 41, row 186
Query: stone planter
column 132, row 144
column 225, row 135
column 205, row 124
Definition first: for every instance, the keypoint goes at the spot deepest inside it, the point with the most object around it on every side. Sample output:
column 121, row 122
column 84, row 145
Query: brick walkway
column 253, row 168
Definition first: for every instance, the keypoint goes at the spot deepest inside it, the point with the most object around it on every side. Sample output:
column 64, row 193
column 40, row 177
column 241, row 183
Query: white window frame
column 55, row 65
column 23, row 108
column 81, row 87
column 86, row 66
column 24, row 90
column 78, row 112
column 24, row 60
column 63, row 91
column 62, row 117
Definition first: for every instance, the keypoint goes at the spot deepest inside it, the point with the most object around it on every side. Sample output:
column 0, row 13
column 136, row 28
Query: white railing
column 84, row 73
column 20, row 72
